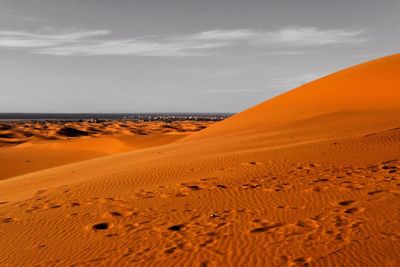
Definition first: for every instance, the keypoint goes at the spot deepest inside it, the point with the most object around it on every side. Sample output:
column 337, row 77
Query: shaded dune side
column 72, row 132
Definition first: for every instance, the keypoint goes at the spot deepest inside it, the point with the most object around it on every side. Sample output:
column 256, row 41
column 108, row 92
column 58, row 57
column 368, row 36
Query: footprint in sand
column 266, row 228
column 176, row 227
column 181, row 194
column 353, row 210
column 251, row 163
column 346, row 202
column 250, row 186
column 116, row 214
column 371, row 193
column 192, row 187
column 320, row 180
column 206, row 243
column 100, row 226
column 286, row 261
column 145, row 194
column 75, row 204
column 302, row 261
column 54, row 206
column 7, row 220
column 170, row 250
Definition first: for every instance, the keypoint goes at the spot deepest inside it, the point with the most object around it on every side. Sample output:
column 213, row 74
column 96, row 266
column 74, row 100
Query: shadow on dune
column 72, row 132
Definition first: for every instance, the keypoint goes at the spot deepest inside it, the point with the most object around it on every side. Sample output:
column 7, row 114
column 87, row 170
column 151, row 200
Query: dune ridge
column 355, row 89
column 309, row 178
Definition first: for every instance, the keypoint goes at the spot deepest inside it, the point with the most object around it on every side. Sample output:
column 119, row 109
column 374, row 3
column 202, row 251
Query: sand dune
column 14, row 133
column 371, row 86
column 309, row 178
column 26, row 147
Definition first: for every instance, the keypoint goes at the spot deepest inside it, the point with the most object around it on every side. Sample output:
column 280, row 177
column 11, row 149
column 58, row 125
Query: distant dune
column 308, row 178
column 31, row 146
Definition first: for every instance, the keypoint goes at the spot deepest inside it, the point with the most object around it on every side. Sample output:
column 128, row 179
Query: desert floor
column 309, row 178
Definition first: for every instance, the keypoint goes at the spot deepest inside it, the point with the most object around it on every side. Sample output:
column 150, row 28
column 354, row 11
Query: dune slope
column 309, row 178
column 371, row 86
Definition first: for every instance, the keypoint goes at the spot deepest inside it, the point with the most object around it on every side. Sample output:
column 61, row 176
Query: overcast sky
column 180, row 55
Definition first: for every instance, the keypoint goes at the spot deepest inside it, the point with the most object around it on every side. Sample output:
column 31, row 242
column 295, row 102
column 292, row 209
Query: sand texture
column 308, row 178
column 31, row 146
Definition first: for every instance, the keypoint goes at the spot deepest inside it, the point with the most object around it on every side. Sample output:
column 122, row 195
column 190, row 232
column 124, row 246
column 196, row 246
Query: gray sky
column 180, row 55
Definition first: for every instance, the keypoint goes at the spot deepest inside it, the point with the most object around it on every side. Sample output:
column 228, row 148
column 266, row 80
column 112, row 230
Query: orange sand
column 309, row 178
column 26, row 147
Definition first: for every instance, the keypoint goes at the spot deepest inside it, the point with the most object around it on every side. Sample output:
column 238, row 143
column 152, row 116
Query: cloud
column 100, row 42
column 225, row 35
column 21, row 39
column 310, row 36
column 293, row 36
column 131, row 47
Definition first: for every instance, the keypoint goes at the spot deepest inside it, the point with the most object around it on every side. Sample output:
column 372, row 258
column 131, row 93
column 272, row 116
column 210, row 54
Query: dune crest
column 369, row 87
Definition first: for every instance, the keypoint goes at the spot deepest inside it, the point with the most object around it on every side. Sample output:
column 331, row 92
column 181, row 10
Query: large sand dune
column 310, row 177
